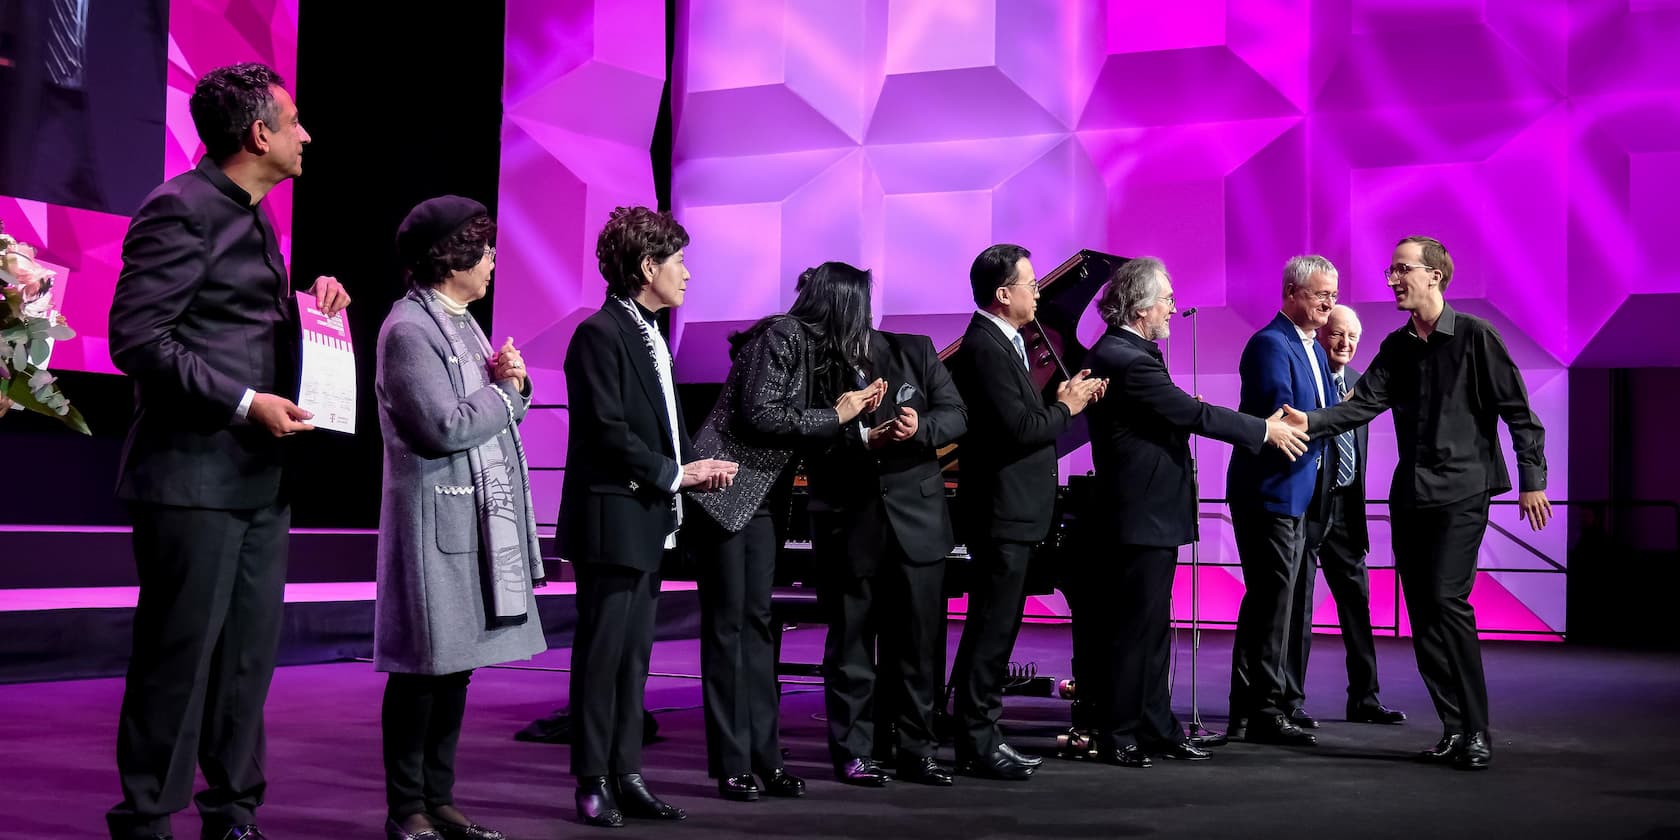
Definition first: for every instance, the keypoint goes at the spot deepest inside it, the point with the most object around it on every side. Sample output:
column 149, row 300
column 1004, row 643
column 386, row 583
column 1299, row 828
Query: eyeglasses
column 490, row 253
column 1169, row 300
column 1402, row 269
column 1322, row 297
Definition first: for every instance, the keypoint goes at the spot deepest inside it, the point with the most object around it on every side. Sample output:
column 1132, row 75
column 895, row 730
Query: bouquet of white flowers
column 27, row 330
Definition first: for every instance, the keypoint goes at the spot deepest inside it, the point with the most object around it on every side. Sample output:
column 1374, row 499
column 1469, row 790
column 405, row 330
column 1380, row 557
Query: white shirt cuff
column 245, row 404
column 676, row 484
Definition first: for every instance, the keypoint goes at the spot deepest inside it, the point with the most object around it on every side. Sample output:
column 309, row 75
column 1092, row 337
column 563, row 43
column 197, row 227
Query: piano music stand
column 1198, row 734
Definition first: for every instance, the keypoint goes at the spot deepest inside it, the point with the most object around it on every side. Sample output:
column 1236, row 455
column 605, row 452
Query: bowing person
column 628, row 456
column 768, row 414
column 458, row 553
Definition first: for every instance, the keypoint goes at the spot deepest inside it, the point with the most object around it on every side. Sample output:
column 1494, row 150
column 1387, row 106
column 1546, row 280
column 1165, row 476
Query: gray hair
column 1300, row 269
column 1136, row 287
column 1346, row 313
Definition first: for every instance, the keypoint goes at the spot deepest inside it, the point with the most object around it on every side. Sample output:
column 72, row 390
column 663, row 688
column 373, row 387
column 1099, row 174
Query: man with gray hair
column 1281, row 365
column 1145, row 499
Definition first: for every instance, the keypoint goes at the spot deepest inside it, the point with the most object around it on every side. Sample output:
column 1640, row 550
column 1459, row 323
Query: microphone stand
column 1198, row 734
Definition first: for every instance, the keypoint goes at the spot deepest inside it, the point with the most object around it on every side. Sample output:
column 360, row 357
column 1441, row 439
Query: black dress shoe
column 1182, row 751
column 249, row 831
column 1130, row 755
column 923, row 771
column 995, row 766
column 1476, row 754
column 1445, row 750
column 635, row 800
column 1237, row 729
column 1276, row 729
column 468, row 831
column 1300, row 718
column 1019, row 758
column 596, row 804
column 1375, row 713
column 863, row 772
column 395, row 832
column 741, row 788
column 779, row 782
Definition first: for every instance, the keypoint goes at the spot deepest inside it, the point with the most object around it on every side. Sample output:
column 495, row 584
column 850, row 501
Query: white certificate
column 327, row 387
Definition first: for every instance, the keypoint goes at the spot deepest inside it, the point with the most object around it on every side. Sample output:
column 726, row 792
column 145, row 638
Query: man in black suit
column 1009, row 479
column 881, row 531
column 1450, row 380
column 1143, row 509
column 628, row 455
column 203, row 321
column 1337, row 533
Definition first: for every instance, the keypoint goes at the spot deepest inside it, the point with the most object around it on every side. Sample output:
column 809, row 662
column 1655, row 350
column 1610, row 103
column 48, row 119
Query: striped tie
column 1347, row 460
column 67, row 42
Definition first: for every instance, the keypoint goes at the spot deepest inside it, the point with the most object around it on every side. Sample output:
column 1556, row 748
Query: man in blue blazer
column 1269, row 496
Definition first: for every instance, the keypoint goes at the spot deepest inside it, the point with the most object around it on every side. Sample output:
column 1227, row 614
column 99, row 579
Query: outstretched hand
column 709, row 474
column 1292, row 442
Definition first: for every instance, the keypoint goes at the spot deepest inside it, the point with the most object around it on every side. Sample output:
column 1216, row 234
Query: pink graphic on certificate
column 327, row 386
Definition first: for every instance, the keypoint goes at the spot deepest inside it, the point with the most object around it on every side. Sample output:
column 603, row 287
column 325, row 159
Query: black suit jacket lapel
column 641, row 358
column 991, row 329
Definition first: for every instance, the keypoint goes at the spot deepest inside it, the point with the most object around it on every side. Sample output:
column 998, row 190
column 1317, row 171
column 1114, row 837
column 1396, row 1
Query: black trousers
column 737, row 648
column 420, row 724
column 1271, row 548
column 1122, row 626
column 885, row 647
column 995, row 596
column 1435, row 552
column 610, row 651
column 1350, row 585
column 206, row 632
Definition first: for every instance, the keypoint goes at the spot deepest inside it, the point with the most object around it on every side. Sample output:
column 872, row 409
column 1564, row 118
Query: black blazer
column 1009, row 473
column 616, row 504
column 1140, row 442
column 898, row 486
column 202, row 311
column 1359, row 531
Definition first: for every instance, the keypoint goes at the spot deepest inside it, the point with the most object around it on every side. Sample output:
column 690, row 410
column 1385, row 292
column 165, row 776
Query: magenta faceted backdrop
column 203, row 35
column 1540, row 139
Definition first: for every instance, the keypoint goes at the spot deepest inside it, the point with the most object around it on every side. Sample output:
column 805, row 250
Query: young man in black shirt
column 1449, row 380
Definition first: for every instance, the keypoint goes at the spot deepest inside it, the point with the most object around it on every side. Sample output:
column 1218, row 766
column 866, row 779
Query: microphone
column 1188, row 312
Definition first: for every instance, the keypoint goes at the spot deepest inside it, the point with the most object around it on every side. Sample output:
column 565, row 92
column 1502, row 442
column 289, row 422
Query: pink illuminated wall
column 203, row 35
column 1540, row 139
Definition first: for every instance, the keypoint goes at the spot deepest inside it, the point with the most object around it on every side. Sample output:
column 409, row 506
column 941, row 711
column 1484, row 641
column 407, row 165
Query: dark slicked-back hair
column 994, row 269
column 1434, row 255
column 228, row 100
column 460, row 251
column 631, row 234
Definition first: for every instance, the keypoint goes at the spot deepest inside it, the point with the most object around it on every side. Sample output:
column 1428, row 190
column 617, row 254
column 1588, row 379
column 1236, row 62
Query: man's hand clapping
column 1080, row 391
column 709, row 474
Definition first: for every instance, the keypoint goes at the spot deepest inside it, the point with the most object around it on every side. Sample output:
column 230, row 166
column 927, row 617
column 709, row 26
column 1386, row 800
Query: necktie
column 67, row 42
column 1346, row 456
column 1021, row 350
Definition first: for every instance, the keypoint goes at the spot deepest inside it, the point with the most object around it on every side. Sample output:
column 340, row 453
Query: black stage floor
column 1587, row 744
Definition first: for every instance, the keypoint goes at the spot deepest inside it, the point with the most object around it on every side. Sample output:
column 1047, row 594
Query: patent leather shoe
column 863, row 772
column 596, row 804
column 395, row 832
column 1300, row 718
column 1019, row 757
column 1182, row 751
column 464, row 831
column 923, row 771
column 995, row 765
column 635, row 800
column 1276, row 729
column 1375, row 713
column 1445, row 750
column 1130, row 755
column 248, row 831
column 1476, row 754
column 740, row 788
column 779, row 782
